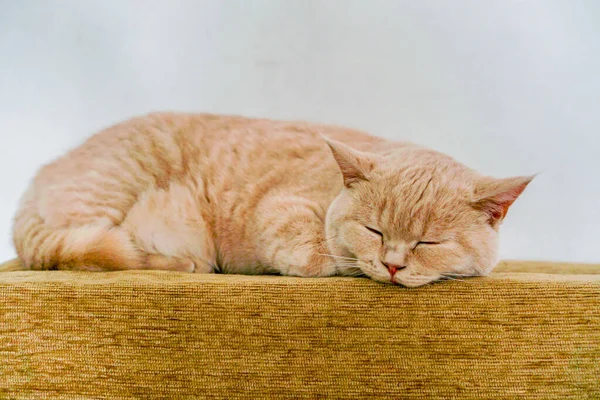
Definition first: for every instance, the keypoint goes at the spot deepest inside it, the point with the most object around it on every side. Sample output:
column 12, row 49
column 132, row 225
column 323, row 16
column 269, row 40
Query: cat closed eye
column 375, row 231
column 427, row 243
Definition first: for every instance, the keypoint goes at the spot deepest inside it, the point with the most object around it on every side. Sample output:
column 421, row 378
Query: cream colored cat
column 207, row 193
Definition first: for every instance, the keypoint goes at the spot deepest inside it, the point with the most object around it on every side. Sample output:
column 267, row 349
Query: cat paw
column 158, row 261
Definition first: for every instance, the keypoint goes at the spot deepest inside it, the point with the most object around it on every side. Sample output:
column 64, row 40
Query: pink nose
column 393, row 268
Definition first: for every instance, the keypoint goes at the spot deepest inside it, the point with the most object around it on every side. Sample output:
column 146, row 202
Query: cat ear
column 354, row 164
column 495, row 196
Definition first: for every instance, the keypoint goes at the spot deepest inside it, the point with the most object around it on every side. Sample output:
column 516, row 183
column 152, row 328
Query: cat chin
column 414, row 280
column 383, row 277
column 410, row 282
column 402, row 278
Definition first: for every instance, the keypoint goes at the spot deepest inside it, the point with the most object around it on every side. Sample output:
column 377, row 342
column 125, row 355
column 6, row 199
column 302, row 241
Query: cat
column 209, row 193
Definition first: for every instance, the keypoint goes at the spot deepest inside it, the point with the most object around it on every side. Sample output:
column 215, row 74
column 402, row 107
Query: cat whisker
column 340, row 257
column 329, row 238
column 354, row 273
column 453, row 278
column 326, row 241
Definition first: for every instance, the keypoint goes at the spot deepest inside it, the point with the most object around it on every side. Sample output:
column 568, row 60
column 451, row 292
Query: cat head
column 414, row 216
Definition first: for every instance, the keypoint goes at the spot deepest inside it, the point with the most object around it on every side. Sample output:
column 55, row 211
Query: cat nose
column 393, row 268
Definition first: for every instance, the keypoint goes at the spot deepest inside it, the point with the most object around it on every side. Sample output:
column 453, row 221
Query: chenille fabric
column 159, row 335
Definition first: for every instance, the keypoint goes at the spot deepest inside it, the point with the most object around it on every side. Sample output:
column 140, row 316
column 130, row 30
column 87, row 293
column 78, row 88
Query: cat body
column 208, row 193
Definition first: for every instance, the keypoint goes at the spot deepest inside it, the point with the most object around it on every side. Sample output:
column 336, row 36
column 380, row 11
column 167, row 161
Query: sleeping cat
column 207, row 193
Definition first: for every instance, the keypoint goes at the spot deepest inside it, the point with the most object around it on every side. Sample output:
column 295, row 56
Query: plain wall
column 506, row 87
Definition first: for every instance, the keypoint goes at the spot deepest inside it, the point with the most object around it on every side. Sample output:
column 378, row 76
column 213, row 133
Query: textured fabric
column 547, row 267
column 149, row 334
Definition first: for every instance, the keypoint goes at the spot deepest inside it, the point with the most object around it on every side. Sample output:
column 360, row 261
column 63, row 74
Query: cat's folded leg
column 168, row 228
column 292, row 239
column 158, row 261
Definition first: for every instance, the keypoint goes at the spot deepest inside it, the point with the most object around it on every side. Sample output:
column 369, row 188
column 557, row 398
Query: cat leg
column 291, row 237
column 167, row 225
column 166, row 263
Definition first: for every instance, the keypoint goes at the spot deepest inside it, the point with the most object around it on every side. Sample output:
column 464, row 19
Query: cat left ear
column 495, row 196
column 355, row 165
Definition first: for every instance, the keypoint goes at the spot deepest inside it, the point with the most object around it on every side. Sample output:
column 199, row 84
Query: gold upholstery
column 151, row 334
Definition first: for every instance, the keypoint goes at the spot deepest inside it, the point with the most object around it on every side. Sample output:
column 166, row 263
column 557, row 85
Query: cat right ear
column 495, row 196
column 355, row 165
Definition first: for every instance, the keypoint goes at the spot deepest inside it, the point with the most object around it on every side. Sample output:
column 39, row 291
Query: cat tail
column 88, row 247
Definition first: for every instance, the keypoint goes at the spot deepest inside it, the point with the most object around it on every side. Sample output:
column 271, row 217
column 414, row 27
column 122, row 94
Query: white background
column 507, row 87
